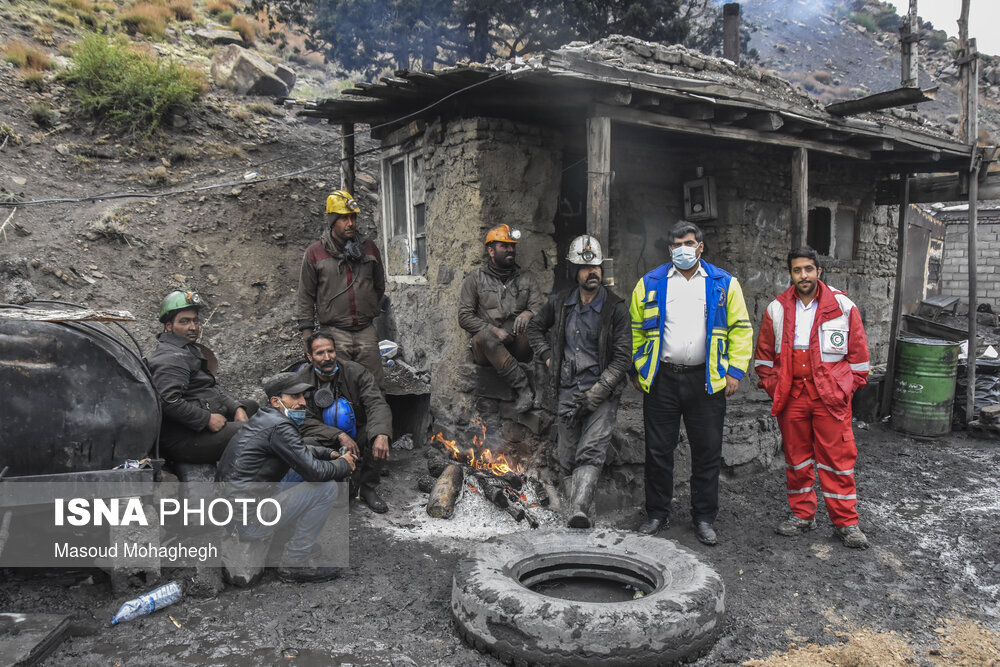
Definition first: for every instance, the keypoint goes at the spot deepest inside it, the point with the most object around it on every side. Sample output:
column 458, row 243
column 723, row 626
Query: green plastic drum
column 924, row 394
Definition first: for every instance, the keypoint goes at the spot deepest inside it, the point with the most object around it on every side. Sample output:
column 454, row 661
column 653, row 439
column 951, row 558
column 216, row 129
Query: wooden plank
column 26, row 639
column 909, row 35
column 599, row 183
column 767, row 121
column 656, row 120
column 347, row 155
column 800, row 197
column 884, row 100
column 932, row 189
column 86, row 315
column 731, row 31
column 889, row 383
column 730, row 114
column 697, row 111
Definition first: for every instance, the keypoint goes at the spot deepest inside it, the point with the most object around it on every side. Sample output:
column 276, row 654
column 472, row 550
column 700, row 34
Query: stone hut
column 621, row 139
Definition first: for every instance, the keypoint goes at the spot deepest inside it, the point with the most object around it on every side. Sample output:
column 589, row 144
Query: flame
column 478, row 456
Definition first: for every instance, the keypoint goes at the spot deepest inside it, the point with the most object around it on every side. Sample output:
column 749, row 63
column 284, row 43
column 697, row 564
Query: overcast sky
column 984, row 19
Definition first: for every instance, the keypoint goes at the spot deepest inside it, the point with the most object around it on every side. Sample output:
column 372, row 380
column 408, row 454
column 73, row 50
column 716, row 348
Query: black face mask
column 354, row 251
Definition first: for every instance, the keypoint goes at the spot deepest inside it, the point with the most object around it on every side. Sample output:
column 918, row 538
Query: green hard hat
column 178, row 300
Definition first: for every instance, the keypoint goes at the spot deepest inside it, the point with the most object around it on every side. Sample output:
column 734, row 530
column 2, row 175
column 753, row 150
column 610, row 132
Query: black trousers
column 183, row 445
column 671, row 397
column 367, row 472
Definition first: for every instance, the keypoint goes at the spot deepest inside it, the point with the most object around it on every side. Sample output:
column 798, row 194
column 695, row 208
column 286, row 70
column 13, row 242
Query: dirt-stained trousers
column 812, row 437
column 362, row 347
column 586, row 442
column 487, row 349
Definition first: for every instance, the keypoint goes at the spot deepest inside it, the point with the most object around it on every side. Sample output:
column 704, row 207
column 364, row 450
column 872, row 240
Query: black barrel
column 76, row 397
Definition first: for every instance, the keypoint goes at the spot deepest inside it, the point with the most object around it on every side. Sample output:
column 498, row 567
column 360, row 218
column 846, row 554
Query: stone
column 220, row 36
column 243, row 562
column 990, row 414
column 246, row 73
column 286, row 74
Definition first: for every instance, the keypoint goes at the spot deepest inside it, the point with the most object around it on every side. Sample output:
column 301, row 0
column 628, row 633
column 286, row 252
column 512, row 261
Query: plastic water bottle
column 148, row 603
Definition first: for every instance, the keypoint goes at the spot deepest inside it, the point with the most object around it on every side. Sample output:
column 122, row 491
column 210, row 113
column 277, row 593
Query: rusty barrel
column 76, row 397
column 924, row 391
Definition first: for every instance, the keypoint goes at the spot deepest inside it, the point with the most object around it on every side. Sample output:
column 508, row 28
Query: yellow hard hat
column 503, row 234
column 342, row 203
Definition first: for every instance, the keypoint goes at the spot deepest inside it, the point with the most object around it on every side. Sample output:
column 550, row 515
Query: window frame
column 410, row 172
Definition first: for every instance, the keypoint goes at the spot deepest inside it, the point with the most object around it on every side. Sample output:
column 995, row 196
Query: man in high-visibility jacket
column 691, row 344
column 812, row 355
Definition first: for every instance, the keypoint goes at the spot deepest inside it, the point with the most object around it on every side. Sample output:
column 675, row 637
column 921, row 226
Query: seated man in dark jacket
column 584, row 336
column 198, row 418
column 331, row 378
column 263, row 451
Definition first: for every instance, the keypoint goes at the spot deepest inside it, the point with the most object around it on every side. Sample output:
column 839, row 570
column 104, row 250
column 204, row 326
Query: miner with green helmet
column 198, row 417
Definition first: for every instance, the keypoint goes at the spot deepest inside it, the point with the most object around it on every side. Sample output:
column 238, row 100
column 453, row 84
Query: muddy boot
column 518, row 381
column 584, row 486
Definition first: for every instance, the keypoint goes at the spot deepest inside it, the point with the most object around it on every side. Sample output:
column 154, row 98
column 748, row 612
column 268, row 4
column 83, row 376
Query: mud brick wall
column 479, row 173
column 955, row 272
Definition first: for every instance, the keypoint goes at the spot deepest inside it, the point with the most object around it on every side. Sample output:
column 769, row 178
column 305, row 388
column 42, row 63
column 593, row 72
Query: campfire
column 496, row 477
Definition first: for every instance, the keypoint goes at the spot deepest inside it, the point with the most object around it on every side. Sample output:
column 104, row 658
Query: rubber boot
column 518, row 381
column 584, row 487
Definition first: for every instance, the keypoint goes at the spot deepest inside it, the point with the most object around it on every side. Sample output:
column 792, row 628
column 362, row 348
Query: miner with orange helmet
column 496, row 303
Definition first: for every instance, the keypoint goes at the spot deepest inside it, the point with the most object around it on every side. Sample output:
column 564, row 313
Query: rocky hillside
column 223, row 197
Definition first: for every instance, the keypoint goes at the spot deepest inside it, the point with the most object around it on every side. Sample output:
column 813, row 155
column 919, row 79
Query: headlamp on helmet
column 502, row 234
column 176, row 301
column 342, row 202
column 585, row 250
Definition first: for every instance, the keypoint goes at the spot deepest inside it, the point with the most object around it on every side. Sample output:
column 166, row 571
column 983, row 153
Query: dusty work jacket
column 267, row 446
column 342, row 294
column 486, row 300
column 184, row 378
column 547, row 335
column 838, row 350
column 729, row 339
column 355, row 383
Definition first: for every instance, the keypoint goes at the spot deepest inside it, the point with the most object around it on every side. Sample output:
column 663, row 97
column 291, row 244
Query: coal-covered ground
column 928, row 507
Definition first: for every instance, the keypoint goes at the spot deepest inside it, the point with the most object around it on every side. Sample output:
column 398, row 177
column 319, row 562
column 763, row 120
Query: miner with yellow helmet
column 198, row 417
column 584, row 336
column 341, row 285
column 495, row 305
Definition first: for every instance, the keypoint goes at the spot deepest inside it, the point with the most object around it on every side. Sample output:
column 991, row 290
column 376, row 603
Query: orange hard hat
column 502, row 234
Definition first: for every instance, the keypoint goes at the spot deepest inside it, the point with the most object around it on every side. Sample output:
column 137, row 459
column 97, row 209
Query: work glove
column 571, row 412
column 595, row 396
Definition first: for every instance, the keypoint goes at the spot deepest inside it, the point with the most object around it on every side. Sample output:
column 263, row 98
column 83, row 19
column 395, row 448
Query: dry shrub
column 25, row 56
column 823, row 76
column 218, row 6
column 224, row 17
column 146, row 18
column 183, row 10
column 34, row 79
column 114, row 225
column 67, row 19
column 243, row 25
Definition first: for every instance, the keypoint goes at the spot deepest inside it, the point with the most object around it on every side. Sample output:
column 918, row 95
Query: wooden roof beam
column 932, row 189
column 703, row 128
column 885, row 100
column 765, row 121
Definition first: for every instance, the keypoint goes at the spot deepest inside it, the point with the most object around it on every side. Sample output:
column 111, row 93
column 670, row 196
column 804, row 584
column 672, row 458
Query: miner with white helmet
column 341, row 285
column 583, row 335
column 198, row 417
column 496, row 303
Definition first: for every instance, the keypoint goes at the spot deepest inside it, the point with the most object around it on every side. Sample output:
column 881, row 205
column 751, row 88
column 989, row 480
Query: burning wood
column 441, row 504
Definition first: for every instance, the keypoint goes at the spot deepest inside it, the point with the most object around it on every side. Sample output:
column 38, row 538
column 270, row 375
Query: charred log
column 436, row 465
column 426, row 483
column 441, row 504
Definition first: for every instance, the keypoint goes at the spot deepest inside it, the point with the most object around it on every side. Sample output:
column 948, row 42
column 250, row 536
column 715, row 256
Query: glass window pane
column 419, row 227
column 397, row 194
column 420, row 256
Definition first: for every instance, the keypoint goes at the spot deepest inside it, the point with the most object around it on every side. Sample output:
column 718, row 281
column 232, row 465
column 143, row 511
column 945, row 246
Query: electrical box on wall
column 699, row 199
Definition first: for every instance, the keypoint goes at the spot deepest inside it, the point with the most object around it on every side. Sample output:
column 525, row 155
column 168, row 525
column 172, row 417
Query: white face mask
column 684, row 257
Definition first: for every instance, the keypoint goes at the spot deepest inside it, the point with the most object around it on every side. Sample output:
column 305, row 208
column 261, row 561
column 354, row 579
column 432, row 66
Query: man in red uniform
column 812, row 355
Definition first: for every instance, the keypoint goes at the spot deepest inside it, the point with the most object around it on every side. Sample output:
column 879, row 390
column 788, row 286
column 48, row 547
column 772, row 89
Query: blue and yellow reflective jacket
column 729, row 341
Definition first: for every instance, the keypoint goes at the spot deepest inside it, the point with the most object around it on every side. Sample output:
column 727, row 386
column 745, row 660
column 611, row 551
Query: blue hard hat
column 341, row 415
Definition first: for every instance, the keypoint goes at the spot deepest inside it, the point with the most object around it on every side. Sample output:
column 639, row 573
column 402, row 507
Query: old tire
column 495, row 610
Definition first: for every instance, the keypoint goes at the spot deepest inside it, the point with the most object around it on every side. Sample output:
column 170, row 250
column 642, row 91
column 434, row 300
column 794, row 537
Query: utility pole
column 909, row 36
column 969, row 128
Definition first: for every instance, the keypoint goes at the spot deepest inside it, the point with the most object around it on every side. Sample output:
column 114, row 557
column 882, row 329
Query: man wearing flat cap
column 263, row 451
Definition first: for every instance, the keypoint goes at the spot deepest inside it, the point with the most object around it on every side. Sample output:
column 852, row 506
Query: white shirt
column 804, row 317
column 684, row 328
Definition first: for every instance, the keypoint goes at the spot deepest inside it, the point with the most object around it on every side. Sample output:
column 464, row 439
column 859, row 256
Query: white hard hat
column 585, row 250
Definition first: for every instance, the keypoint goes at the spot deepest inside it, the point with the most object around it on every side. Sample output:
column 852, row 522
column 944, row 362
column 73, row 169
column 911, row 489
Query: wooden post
column 800, row 197
column 889, row 383
column 909, row 36
column 969, row 130
column 731, row 31
column 599, row 188
column 347, row 163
